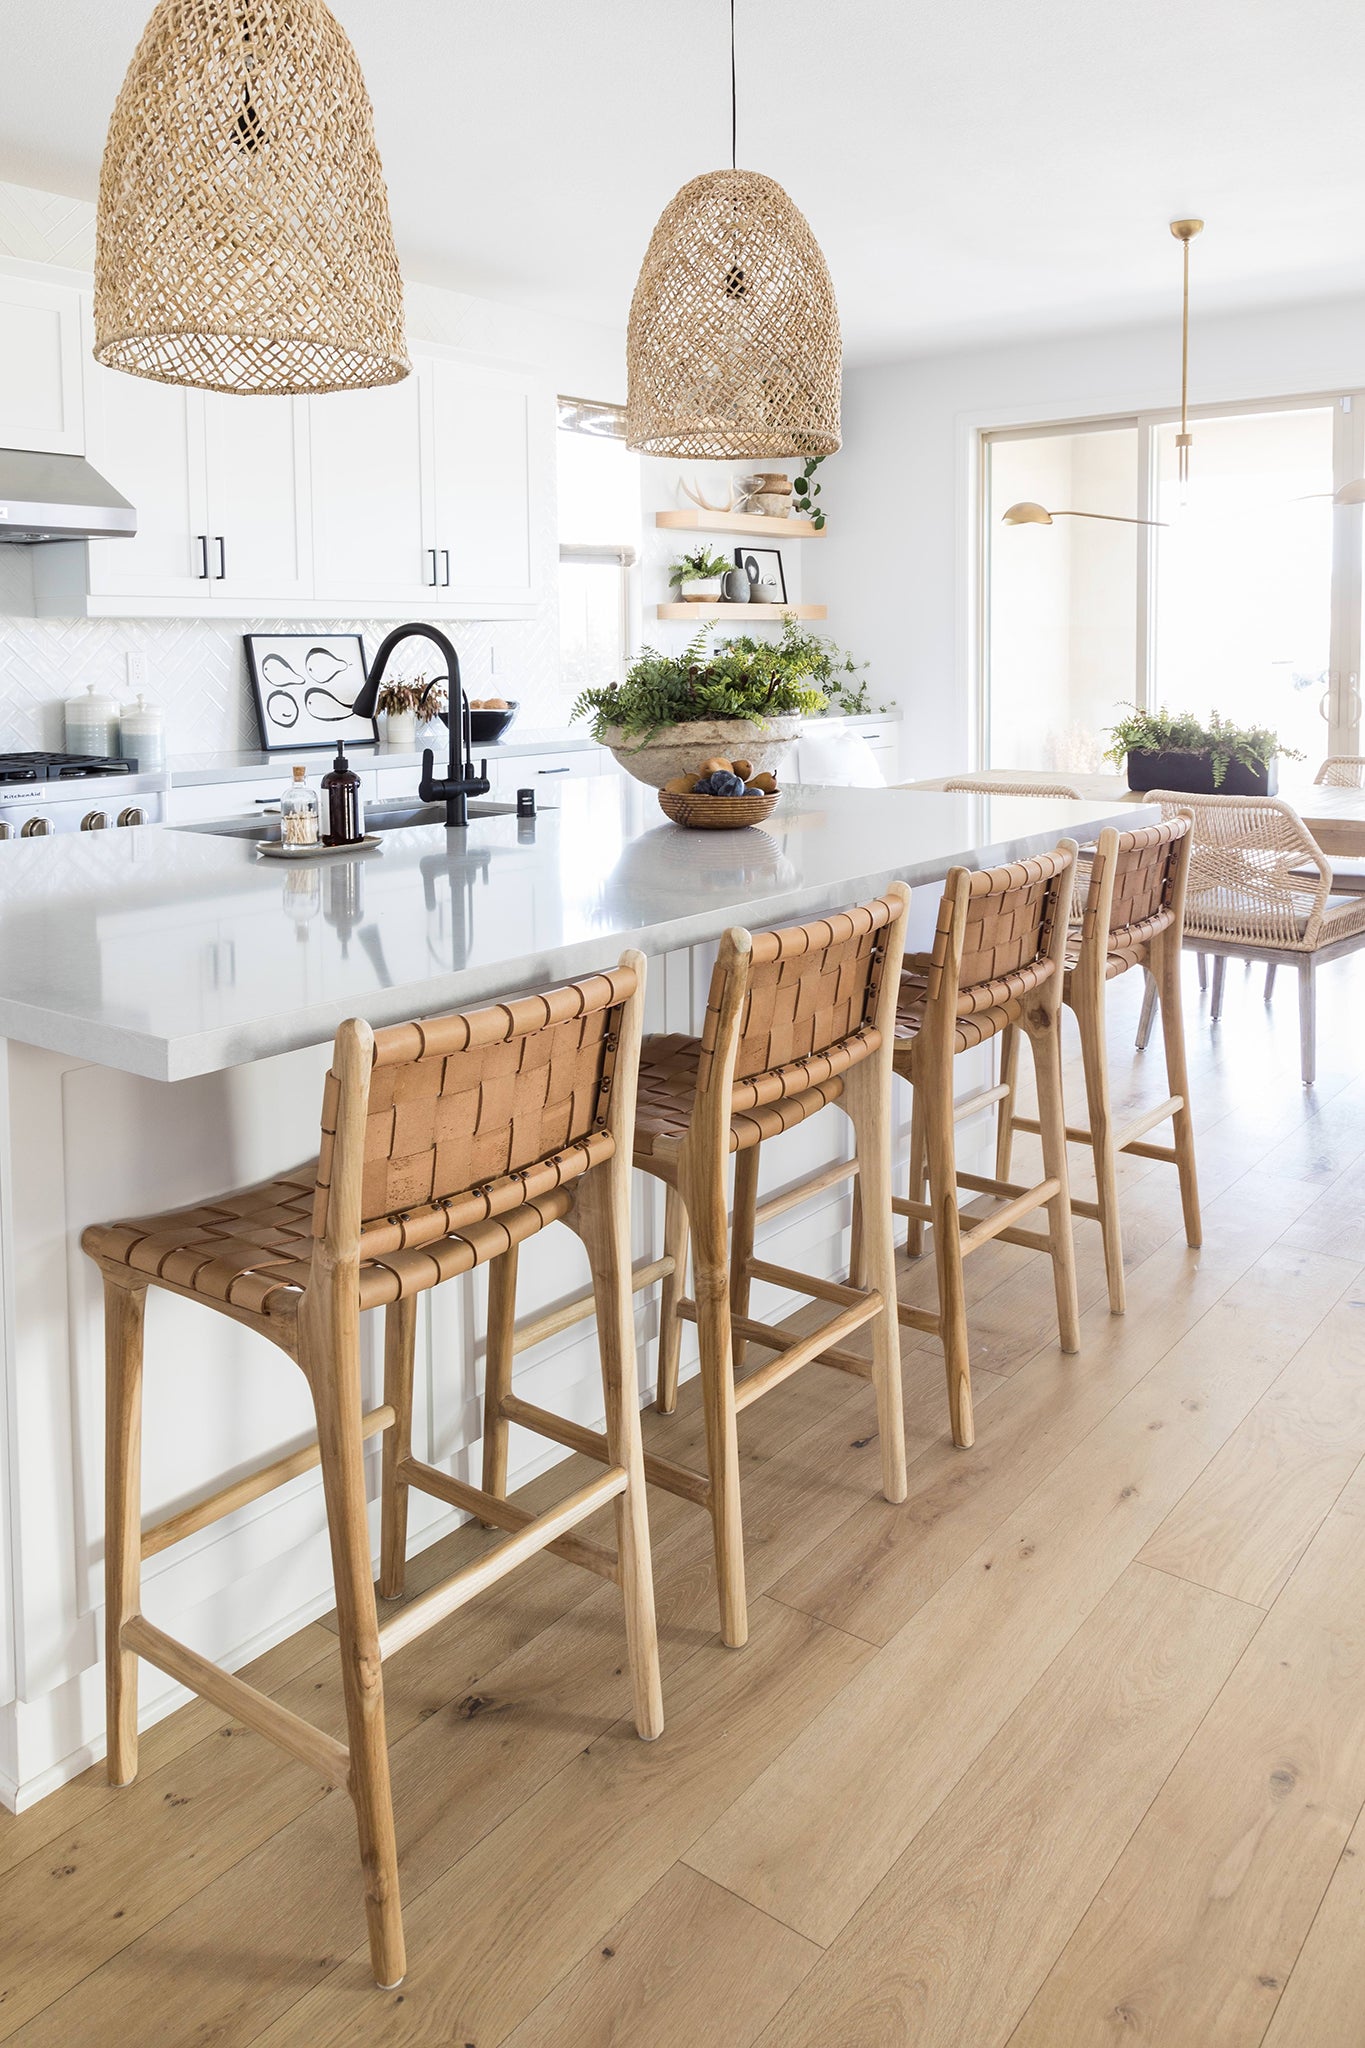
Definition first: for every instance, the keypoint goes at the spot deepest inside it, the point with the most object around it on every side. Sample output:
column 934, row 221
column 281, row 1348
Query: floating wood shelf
column 689, row 521
column 739, row 612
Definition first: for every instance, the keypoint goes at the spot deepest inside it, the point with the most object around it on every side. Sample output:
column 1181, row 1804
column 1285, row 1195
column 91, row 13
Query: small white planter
column 400, row 729
column 681, row 749
column 702, row 590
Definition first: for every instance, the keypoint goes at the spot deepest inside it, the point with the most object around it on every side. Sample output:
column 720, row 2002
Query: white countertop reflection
column 172, row 953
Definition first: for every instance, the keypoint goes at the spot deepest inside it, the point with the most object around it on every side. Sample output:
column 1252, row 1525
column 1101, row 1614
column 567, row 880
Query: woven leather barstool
column 997, row 960
column 445, row 1144
column 1134, row 917
column 796, row 1020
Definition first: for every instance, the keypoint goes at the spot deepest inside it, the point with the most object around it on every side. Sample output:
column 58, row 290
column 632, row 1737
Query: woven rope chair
column 445, row 1145
column 1005, row 785
column 1342, row 771
column 796, row 1020
column 1133, row 917
column 1250, row 898
column 997, row 960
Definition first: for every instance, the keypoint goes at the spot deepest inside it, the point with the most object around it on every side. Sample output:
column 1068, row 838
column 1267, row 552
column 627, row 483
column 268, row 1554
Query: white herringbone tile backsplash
column 196, row 669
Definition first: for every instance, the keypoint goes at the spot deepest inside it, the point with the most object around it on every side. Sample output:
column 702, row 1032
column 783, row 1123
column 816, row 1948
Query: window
column 599, row 525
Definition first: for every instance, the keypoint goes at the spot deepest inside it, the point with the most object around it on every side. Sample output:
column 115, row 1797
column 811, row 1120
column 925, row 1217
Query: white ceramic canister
column 92, row 724
column 142, row 736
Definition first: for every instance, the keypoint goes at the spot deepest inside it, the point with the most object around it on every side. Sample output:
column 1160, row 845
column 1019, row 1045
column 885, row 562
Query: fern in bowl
column 1176, row 750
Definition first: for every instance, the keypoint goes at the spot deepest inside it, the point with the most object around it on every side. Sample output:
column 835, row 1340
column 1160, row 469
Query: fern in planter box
column 1174, row 750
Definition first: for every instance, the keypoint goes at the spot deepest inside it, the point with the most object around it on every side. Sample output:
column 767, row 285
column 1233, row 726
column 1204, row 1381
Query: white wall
column 196, row 668
column 897, row 568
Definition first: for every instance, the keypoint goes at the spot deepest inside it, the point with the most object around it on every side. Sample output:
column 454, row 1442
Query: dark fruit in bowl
column 722, row 783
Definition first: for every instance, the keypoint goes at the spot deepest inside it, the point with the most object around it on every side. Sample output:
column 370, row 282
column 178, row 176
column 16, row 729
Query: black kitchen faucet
column 459, row 782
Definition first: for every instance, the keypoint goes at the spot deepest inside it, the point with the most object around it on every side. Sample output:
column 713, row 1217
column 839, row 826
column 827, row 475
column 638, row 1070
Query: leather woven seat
column 669, row 1069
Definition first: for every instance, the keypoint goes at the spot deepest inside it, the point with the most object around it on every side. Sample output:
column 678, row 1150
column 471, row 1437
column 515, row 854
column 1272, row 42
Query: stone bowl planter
column 681, row 749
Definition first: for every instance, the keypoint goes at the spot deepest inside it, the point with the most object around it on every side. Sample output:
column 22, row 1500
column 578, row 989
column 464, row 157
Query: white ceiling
column 974, row 171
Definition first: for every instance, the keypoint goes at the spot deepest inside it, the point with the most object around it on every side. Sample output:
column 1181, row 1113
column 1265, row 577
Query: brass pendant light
column 733, row 348
column 1185, row 232
column 243, row 240
column 1026, row 513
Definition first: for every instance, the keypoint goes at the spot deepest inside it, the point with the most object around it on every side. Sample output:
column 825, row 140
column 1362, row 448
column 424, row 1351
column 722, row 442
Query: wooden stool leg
column 867, row 1099
column 330, row 1356
column 1004, row 1115
column 670, row 1327
column 1144, row 1030
column 1089, row 1005
column 1046, row 1039
column 704, row 1194
column 934, row 1092
column 1166, row 963
column 742, row 1242
column 497, row 1369
column 400, row 1338
column 123, row 1327
column 919, row 1175
column 602, row 1220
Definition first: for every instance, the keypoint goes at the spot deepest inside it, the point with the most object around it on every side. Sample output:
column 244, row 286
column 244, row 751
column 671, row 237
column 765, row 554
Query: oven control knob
column 132, row 815
column 5, row 831
column 94, row 821
column 36, row 828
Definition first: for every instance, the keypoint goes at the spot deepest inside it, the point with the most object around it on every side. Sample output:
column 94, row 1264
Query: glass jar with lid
column 299, row 811
column 92, row 724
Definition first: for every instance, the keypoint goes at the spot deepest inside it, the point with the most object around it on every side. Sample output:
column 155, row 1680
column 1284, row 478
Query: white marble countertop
column 171, row 953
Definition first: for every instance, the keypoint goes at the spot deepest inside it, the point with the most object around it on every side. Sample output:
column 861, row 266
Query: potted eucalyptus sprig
column 1175, row 750
column 699, row 576
column 404, row 705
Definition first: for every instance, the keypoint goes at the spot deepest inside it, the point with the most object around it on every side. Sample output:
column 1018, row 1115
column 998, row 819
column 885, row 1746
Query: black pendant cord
column 734, row 99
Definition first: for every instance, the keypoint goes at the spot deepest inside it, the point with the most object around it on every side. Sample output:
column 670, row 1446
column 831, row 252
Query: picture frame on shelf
column 767, row 579
column 305, row 686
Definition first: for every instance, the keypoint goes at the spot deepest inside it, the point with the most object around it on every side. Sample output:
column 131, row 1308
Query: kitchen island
column 167, row 1001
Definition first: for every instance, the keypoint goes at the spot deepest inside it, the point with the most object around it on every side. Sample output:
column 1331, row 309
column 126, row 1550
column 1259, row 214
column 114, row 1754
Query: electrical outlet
column 135, row 668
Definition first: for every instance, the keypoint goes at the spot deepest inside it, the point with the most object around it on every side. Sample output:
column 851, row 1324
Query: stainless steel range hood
column 58, row 497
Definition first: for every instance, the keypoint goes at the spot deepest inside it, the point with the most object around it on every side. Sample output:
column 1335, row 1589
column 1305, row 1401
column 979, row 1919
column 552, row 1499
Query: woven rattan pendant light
column 733, row 347
column 243, row 239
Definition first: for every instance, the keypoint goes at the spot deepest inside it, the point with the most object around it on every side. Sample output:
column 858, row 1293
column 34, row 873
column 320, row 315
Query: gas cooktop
column 60, row 767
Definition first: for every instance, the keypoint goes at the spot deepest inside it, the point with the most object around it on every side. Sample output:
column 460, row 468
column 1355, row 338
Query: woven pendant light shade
column 243, row 238
column 733, row 347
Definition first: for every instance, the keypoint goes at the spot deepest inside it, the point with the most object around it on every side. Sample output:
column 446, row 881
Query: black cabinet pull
column 445, row 557
column 222, row 557
column 552, row 771
column 432, row 553
column 203, row 541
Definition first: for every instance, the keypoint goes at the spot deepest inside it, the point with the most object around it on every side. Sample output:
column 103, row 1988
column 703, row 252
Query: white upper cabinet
column 148, row 440
column 259, row 498
column 370, row 490
column 41, row 402
column 484, row 450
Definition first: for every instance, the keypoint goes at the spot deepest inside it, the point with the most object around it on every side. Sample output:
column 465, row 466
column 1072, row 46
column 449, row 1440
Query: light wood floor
column 1068, row 1750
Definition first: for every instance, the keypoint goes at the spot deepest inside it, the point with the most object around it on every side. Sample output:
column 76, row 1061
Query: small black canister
column 344, row 807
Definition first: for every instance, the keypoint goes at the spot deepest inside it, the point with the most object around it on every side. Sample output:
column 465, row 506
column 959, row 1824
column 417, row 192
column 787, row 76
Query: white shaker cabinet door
column 41, row 404
column 484, row 442
column 148, row 440
column 370, row 492
column 259, row 508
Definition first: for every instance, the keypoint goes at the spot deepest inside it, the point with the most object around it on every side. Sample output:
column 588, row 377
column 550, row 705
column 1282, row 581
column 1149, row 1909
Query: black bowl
column 487, row 726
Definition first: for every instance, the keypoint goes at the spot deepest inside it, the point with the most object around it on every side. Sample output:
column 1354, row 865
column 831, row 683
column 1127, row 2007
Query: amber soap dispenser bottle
column 344, row 805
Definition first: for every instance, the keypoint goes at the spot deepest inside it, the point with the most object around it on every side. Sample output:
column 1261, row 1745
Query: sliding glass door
column 1243, row 596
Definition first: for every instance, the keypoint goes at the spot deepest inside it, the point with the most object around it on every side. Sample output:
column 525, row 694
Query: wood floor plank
column 885, row 1562
column 1324, row 2000
column 1194, row 1934
column 958, row 1936
column 1247, row 1520
column 530, row 1898
column 810, row 1839
column 689, row 1963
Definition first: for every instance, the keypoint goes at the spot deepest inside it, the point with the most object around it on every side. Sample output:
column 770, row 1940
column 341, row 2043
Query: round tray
column 717, row 813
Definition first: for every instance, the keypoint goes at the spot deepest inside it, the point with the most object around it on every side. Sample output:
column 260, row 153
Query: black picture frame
column 763, row 566
column 319, row 675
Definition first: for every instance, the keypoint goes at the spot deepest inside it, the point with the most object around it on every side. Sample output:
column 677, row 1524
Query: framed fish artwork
column 305, row 686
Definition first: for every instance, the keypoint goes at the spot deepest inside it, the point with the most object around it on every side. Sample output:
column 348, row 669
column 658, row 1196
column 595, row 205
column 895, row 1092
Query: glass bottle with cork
column 345, row 807
column 299, row 811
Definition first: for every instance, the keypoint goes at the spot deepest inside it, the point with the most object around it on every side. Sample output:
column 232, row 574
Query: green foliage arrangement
column 696, row 566
column 805, row 491
column 1180, row 732
column 740, row 677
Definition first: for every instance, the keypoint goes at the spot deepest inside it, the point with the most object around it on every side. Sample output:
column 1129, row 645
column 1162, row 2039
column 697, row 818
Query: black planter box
column 1193, row 773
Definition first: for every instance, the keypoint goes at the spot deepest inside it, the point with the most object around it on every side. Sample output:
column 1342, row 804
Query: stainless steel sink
column 381, row 817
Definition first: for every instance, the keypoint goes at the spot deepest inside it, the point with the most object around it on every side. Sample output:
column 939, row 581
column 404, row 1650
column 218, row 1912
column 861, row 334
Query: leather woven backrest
column 808, row 1009
column 1010, row 913
column 472, row 1114
column 1146, row 862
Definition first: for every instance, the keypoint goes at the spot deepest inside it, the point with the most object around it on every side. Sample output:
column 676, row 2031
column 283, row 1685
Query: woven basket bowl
column 718, row 813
